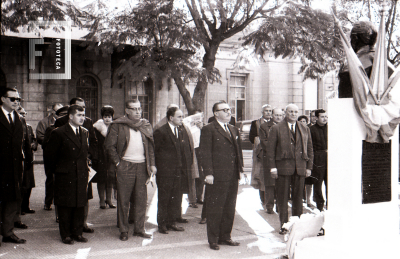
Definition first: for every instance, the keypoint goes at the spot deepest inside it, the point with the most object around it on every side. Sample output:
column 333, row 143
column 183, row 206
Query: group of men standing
column 287, row 151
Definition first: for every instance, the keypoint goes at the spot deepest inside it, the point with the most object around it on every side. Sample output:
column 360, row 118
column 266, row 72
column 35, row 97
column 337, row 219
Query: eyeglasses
column 13, row 99
column 225, row 110
column 136, row 109
column 23, row 113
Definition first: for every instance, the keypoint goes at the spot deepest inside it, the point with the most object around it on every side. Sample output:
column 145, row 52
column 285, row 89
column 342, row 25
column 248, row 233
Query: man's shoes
column 142, row 234
column 29, row 211
column 109, row 203
column 283, row 231
column 79, row 238
column 203, row 221
column 163, row 230
column 131, row 221
column 229, row 242
column 57, row 220
column 270, row 211
column 214, row 246
column 68, row 241
column 88, row 229
column 123, row 236
column 182, row 220
column 103, row 207
column 193, row 205
column 22, row 212
column 200, row 202
column 47, row 207
column 14, row 239
column 175, row 228
column 19, row 224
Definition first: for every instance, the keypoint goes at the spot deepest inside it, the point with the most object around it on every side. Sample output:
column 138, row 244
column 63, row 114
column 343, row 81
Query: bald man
column 290, row 157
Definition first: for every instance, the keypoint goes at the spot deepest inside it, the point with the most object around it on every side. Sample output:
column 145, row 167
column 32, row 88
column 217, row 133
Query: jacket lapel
column 4, row 121
column 222, row 131
column 71, row 135
column 171, row 135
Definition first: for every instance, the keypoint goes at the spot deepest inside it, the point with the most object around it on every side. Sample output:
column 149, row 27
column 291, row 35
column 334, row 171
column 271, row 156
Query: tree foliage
column 15, row 14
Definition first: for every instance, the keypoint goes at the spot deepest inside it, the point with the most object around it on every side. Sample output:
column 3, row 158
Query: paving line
column 144, row 248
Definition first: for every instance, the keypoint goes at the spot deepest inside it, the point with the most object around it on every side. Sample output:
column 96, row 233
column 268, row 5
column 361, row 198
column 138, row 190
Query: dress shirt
column 290, row 126
column 223, row 125
column 173, row 129
column 6, row 114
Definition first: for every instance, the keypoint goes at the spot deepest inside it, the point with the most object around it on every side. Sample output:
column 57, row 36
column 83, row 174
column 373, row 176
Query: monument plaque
column 376, row 172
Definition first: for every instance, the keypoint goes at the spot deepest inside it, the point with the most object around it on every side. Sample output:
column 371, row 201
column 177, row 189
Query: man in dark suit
column 269, row 182
column 87, row 124
column 174, row 159
column 222, row 161
column 290, row 157
column 67, row 151
column 11, row 161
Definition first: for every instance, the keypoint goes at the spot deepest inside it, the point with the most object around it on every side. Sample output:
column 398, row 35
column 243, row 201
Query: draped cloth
column 376, row 99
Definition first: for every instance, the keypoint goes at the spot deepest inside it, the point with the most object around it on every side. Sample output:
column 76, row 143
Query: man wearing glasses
column 11, row 161
column 222, row 161
column 130, row 147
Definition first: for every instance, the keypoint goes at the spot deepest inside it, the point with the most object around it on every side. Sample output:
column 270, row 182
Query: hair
column 62, row 109
column 302, row 117
column 215, row 106
column 290, row 104
column 266, row 106
column 318, row 112
column 313, row 111
column 75, row 99
column 5, row 91
column 55, row 105
column 131, row 101
column 107, row 110
column 73, row 109
column 172, row 105
column 171, row 112
column 273, row 110
column 363, row 33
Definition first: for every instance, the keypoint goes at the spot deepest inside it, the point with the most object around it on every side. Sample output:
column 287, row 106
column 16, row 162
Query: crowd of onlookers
column 122, row 155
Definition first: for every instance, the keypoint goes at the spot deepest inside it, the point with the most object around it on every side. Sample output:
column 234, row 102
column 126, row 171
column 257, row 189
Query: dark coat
column 102, row 164
column 319, row 135
column 221, row 155
column 166, row 152
column 287, row 154
column 28, row 176
column 87, row 124
column 67, row 156
column 11, row 157
column 264, row 131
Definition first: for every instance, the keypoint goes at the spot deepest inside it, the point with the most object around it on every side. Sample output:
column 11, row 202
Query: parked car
column 244, row 129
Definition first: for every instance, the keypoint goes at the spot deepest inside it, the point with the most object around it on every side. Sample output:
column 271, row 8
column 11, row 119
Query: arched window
column 87, row 88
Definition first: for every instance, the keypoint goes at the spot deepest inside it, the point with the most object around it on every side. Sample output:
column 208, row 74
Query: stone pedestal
column 353, row 229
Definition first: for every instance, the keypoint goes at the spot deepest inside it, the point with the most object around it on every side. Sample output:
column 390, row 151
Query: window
column 87, row 89
column 138, row 90
column 237, row 84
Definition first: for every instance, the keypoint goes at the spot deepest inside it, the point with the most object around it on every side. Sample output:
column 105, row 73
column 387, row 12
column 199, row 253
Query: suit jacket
column 221, row 154
column 67, row 158
column 11, row 157
column 288, row 154
column 43, row 125
column 87, row 124
column 166, row 151
column 263, row 133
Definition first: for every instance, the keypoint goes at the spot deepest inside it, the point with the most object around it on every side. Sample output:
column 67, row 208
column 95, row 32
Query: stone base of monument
column 362, row 220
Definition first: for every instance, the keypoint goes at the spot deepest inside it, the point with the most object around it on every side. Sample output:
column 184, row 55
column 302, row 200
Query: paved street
column 256, row 230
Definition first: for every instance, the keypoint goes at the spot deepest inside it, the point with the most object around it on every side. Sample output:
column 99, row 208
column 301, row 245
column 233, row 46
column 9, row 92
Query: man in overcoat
column 290, row 157
column 222, row 161
column 67, row 151
column 174, row 159
column 11, row 162
column 269, row 182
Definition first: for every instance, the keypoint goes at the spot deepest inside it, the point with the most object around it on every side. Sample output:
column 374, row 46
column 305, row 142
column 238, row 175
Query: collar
column 73, row 127
column 290, row 124
column 6, row 113
column 172, row 127
column 222, row 124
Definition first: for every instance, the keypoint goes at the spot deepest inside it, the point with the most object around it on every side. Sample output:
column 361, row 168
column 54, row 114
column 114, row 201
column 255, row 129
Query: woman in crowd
column 105, row 177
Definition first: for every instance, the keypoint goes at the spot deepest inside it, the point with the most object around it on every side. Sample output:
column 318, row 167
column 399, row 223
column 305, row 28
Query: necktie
column 176, row 132
column 226, row 128
column 291, row 128
column 77, row 133
column 11, row 121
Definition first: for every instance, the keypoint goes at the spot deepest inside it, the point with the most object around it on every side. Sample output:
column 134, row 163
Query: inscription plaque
column 376, row 172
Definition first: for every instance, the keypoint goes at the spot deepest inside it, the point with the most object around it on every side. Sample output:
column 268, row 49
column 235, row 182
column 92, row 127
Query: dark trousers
column 169, row 200
column 200, row 180
column 131, row 180
column 269, row 196
column 71, row 220
column 220, row 210
column 49, row 186
column 319, row 198
column 282, row 184
column 8, row 210
column 25, row 199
